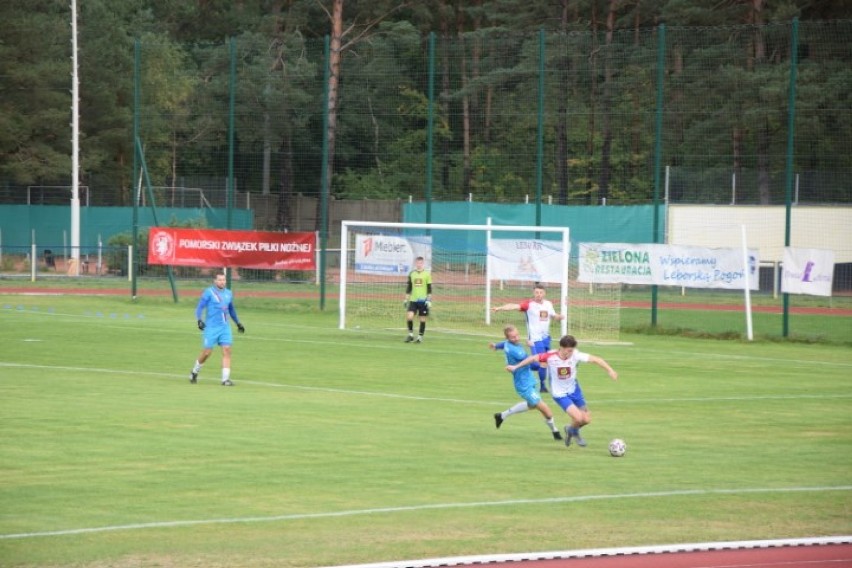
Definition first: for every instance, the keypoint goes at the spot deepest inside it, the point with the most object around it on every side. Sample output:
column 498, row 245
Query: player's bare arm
column 506, row 308
column 524, row 363
column 604, row 365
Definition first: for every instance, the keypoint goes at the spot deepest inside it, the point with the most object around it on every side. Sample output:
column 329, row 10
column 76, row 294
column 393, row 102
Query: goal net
column 474, row 268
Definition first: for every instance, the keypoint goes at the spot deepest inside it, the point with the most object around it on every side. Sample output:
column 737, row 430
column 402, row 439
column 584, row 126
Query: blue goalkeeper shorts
column 218, row 335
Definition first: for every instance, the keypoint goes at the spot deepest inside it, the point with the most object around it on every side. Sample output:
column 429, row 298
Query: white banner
column 530, row 260
column 807, row 271
column 384, row 254
column 667, row 265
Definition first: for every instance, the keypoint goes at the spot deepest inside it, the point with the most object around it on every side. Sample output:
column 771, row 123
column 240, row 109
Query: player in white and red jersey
column 538, row 312
column 561, row 365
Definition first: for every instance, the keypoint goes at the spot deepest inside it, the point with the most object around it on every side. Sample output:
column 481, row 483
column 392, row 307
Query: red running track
column 817, row 552
column 824, row 556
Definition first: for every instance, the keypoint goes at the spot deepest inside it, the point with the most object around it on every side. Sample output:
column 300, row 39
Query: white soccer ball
column 617, row 448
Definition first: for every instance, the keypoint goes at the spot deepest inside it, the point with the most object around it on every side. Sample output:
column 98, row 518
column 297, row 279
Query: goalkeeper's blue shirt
column 219, row 304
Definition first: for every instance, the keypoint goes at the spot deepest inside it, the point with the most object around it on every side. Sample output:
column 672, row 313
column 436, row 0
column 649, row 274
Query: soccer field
column 342, row 447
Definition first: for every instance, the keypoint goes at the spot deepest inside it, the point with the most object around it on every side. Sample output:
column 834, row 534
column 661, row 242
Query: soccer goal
column 474, row 268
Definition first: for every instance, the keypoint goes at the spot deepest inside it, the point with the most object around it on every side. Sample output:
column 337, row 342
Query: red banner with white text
column 218, row 248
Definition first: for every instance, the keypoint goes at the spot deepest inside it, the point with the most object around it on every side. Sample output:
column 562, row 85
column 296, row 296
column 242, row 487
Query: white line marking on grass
column 87, row 369
column 243, row 382
column 714, row 354
column 385, row 394
column 414, row 508
column 599, row 402
column 636, row 352
column 725, row 398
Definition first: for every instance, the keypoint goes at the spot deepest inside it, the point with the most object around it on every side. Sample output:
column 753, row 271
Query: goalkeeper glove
column 241, row 328
column 405, row 303
column 201, row 325
column 428, row 304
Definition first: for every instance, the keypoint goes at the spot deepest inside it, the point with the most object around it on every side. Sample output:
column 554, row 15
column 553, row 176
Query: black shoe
column 557, row 436
column 409, row 339
column 498, row 419
column 193, row 378
column 227, row 383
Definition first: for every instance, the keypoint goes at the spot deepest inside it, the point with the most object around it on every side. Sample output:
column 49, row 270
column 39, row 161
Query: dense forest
column 582, row 101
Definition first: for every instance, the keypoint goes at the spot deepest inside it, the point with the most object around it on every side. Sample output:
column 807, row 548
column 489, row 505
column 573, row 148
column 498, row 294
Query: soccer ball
column 617, row 448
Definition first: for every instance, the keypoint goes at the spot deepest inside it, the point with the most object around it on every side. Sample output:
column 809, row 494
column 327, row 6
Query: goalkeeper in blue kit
column 218, row 302
column 418, row 298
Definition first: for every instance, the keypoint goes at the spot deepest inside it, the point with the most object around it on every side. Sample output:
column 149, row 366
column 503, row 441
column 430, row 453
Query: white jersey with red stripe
column 538, row 316
column 563, row 372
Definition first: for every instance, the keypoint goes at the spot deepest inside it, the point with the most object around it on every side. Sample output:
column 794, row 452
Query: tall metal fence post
column 658, row 152
column 539, row 165
column 143, row 166
column 430, row 127
column 324, row 183
column 137, row 174
column 232, row 89
column 788, row 174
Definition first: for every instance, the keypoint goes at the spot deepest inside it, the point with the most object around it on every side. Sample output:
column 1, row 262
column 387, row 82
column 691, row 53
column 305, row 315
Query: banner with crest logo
column 221, row 248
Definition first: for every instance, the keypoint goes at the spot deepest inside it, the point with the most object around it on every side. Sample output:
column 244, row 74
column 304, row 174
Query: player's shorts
column 538, row 347
column 219, row 335
column 528, row 392
column 542, row 345
column 576, row 398
column 420, row 307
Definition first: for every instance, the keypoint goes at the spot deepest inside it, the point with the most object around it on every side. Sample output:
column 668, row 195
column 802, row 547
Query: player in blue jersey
column 525, row 381
column 538, row 312
column 218, row 302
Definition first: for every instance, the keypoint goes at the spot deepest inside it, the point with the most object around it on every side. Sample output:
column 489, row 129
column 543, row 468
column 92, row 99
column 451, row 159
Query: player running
column 219, row 303
column 561, row 365
column 418, row 298
column 538, row 312
column 516, row 363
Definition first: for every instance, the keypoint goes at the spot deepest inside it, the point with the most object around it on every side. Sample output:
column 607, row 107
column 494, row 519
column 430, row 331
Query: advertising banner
column 530, row 260
column 667, row 265
column 807, row 271
column 219, row 248
column 390, row 254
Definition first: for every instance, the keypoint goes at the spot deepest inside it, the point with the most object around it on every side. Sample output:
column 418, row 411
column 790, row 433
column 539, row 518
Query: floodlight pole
column 75, row 147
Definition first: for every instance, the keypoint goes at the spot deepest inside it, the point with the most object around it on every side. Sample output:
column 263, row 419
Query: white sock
column 226, row 374
column 551, row 425
column 197, row 367
column 517, row 409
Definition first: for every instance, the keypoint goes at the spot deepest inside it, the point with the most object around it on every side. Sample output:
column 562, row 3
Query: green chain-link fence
column 575, row 118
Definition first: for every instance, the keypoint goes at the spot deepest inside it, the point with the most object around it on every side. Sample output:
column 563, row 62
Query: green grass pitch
column 343, row 447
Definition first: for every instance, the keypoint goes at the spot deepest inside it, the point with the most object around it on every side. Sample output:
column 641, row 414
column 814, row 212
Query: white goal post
column 462, row 267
